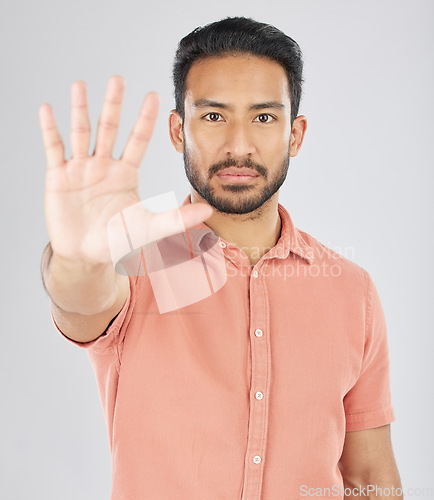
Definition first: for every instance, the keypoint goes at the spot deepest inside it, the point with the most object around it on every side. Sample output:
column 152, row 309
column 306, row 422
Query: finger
column 142, row 131
column 167, row 223
column 135, row 227
column 195, row 213
column 53, row 144
column 80, row 124
column 110, row 115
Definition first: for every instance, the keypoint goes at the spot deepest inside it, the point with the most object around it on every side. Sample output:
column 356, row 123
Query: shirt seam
column 367, row 412
column 368, row 317
column 132, row 306
column 117, row 329
column 369, row 302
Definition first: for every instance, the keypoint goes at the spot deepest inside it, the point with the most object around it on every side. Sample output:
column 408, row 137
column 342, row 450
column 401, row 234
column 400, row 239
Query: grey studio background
column 362, row 185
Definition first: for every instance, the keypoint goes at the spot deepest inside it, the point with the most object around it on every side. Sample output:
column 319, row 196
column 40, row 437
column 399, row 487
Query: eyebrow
column 208, row 103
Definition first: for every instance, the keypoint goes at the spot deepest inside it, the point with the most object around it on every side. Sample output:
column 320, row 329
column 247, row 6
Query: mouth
column 237, row 175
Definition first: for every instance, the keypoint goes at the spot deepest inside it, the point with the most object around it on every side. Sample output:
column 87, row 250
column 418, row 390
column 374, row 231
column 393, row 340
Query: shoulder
column 331, row 263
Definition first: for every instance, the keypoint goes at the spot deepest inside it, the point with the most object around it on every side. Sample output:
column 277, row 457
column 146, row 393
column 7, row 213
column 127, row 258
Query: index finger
column 142, row 131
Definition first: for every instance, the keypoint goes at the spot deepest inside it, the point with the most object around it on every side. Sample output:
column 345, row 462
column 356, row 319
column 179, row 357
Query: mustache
column 232, row 162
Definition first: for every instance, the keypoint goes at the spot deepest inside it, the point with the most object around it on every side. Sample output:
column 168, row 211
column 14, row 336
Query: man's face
column 236, row 131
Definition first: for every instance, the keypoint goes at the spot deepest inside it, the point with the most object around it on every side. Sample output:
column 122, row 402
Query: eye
column 212, row 117
column 264, row 118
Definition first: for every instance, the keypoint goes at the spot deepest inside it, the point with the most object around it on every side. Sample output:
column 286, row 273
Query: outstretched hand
column 85, row 192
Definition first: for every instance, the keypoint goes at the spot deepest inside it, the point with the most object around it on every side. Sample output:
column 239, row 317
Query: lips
column 238, row 171
column 238, row 175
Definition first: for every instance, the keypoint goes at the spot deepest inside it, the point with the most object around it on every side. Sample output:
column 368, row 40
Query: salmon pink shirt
column 248, row 393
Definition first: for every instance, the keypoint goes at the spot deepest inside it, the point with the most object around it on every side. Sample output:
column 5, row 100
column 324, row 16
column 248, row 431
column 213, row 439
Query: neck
column 254, row 233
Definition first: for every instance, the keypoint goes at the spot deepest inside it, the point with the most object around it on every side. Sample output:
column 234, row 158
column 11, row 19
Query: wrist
column 78, row 286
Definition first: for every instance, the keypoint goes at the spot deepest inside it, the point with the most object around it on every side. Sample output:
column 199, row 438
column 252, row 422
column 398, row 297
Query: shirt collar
column 291, row 238
column 290, row 241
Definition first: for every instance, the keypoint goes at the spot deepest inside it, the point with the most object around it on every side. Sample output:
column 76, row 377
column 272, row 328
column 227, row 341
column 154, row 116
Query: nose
column 239, row 140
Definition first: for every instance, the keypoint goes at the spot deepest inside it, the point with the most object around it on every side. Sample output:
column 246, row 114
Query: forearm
column 383, row 487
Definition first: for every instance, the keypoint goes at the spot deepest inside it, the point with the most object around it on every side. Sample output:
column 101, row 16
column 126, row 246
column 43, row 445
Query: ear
column 299, row 127
column 175, row 131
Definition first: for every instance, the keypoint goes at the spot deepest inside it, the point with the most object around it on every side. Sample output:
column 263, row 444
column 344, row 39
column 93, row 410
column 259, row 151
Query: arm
column 367, row 461
column 91, row 300
column 82, row 196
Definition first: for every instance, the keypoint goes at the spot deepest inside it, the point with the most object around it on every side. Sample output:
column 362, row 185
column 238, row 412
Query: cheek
column 201, row 145
column 274, row 147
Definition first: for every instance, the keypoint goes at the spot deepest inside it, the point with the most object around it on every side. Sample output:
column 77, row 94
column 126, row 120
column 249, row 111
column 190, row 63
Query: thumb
column 195, row 213
column 137, row 226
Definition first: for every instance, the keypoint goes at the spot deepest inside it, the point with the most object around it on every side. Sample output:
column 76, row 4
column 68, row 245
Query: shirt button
column 255, row 273
column 222, row 244
column 258, row 332
column 257, row 459
column 259, row 395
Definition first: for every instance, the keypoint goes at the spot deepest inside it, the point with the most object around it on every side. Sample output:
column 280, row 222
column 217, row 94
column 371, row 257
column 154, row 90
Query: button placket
column 259, row 385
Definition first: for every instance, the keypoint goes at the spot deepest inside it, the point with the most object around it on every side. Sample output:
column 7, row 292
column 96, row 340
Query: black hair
column 238, row 35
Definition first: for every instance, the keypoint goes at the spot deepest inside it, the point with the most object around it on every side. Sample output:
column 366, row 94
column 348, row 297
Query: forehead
column 239, row 78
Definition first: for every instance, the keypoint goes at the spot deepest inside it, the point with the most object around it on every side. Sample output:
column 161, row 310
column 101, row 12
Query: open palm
column 85, row 192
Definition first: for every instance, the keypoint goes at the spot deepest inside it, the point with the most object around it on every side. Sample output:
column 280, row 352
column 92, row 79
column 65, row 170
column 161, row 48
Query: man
column 275, row 386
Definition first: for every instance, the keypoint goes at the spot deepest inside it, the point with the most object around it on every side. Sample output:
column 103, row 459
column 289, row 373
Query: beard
column 241, row 202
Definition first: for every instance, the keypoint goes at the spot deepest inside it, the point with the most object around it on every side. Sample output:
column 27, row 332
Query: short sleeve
column 368, row 402
column 114, row 331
